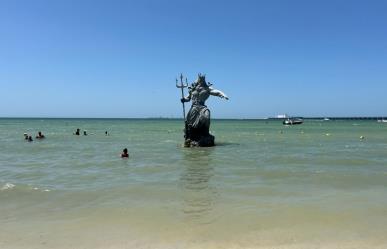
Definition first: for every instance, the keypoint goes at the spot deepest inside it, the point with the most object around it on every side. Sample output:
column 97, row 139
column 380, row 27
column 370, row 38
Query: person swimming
column 40, row 135
column 30, row 139
column 85, row 133
column 77, row 132
column 25, row 136
column 106, row 133
column 125, row 153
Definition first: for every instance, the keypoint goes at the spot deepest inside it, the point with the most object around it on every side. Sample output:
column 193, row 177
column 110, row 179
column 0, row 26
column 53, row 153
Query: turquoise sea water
column 316, row 185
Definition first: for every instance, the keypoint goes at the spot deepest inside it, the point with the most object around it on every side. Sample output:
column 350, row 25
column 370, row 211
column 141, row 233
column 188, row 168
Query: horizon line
column 177, row 118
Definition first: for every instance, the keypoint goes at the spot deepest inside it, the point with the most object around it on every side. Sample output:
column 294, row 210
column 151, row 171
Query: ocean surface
column 265, row 185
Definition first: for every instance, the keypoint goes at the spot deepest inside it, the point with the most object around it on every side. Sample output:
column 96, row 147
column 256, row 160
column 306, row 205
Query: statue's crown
column 201, row 77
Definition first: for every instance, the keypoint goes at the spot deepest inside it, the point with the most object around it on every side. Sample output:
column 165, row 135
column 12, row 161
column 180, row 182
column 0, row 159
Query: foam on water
column 7, row 186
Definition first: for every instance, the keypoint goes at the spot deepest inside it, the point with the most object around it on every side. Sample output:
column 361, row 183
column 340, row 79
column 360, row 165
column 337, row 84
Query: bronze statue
column 197, row 122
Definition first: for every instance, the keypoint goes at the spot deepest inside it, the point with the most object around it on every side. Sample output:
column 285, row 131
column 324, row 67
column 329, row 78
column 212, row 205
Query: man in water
column 30, row 139
column 40, row 135
column 77, row 132
column 124, row 153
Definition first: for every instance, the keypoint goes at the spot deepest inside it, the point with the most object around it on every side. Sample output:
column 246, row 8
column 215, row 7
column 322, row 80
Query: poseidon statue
column 197, row 123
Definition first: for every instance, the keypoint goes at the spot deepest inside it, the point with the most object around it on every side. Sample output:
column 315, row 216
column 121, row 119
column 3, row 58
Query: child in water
column 124, row 153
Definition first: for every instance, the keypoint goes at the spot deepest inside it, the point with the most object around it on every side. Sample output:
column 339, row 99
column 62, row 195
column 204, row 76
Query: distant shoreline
column 247, row 119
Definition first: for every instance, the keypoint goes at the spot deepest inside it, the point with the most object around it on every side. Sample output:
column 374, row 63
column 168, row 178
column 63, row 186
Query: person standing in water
column 77, row 132
column 40, row 135
column 124, row 153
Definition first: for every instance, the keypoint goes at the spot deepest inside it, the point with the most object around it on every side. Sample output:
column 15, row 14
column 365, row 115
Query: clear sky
column 93, row 58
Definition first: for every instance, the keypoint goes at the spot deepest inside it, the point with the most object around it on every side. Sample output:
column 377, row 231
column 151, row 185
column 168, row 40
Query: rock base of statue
column 204, row 141
column 198, row 137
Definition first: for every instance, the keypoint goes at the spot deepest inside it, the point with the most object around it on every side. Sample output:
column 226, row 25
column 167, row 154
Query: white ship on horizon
column 282, row 116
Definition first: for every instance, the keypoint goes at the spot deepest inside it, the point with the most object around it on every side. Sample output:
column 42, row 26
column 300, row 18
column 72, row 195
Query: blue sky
column 120, row 58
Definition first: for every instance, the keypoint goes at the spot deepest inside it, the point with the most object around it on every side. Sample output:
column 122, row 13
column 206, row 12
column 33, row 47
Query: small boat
column 326, row 119
column 382, row 120
column 292, row 121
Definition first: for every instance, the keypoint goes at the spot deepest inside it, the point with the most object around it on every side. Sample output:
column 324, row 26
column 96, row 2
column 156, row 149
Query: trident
column 182, row 86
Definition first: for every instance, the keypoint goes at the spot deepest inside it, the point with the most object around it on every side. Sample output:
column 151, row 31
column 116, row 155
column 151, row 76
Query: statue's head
column 201, row 80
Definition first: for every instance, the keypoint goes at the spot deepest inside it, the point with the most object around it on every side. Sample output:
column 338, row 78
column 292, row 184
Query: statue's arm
column 218, row 93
